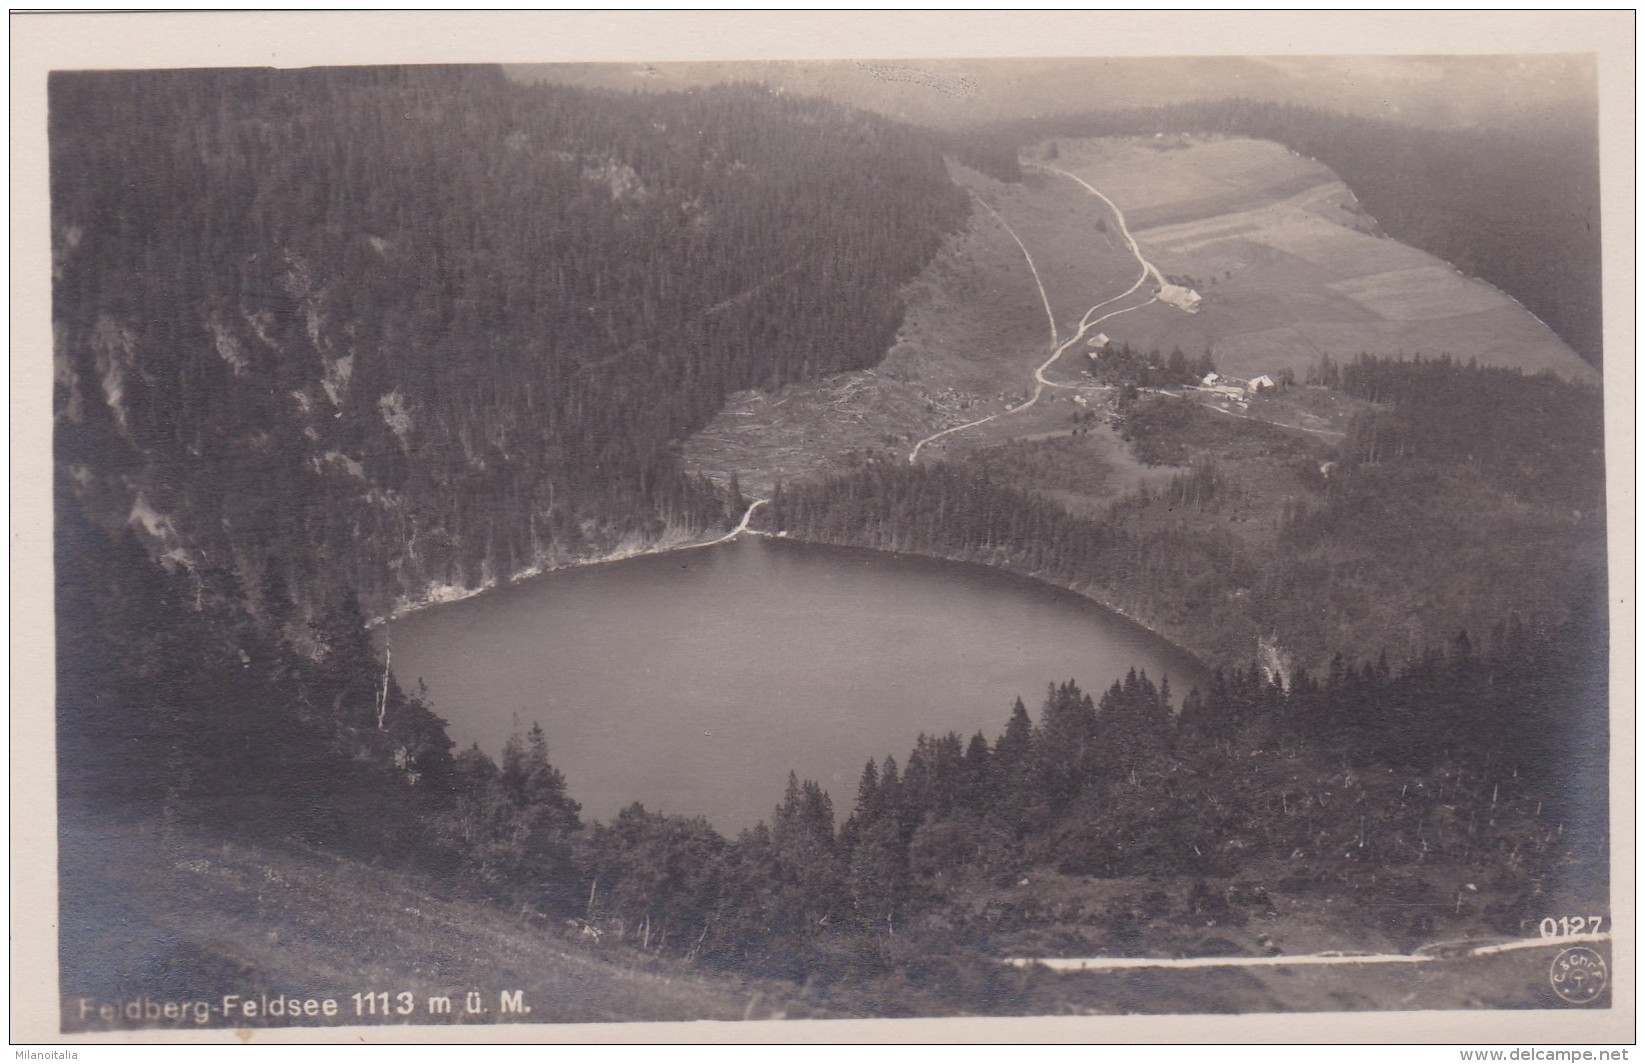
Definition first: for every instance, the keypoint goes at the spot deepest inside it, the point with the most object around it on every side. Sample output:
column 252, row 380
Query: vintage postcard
column 821, row 527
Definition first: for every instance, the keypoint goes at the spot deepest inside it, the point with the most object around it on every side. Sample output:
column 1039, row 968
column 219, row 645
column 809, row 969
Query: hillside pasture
column 1315, row 240
column 1158, row 181
column 191, row 917
column 1290, row 267
column 974, row 331
column 1077, row 247
column 1239, row 198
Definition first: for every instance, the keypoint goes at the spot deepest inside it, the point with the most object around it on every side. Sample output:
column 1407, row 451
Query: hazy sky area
column 1511, row 91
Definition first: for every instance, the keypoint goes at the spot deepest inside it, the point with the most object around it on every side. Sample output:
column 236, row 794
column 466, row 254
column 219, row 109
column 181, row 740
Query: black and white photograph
column 902, row 535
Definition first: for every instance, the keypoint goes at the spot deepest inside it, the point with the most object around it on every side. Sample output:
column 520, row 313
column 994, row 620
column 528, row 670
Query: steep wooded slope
column 407, row 327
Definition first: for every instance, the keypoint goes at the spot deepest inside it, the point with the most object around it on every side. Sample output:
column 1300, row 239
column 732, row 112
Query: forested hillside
column 1518, row 209
column 176, row 703
column 1148, row 828
column 331, row 341
column 1459, row 498
column 407, row 327
column 1463, row 795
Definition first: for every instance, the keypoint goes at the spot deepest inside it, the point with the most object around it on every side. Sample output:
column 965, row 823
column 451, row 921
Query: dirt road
column 742, row 526
column 1087, row 321
column 1130, row 241
column 1426, row 955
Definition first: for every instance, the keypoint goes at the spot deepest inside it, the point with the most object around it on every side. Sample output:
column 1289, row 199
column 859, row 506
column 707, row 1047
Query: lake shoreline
column 440, row 595
column 443, row 594
column 694, row 680
column 1202, row 659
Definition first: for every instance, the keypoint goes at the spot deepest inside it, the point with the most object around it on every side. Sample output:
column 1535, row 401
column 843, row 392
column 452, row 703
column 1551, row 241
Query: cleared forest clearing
column 1289, row 266
column 974, row 332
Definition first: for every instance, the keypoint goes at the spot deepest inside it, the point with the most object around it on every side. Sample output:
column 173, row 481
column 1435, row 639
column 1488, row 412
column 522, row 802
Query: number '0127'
column 1563, row 926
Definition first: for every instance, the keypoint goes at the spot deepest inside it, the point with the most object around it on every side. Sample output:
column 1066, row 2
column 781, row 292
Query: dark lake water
column 694, row 681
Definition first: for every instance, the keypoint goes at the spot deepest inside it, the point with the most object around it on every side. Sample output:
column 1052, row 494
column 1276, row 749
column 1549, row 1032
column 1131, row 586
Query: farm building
column 1230, row 387
column 1184, row 299
column 1260, row 383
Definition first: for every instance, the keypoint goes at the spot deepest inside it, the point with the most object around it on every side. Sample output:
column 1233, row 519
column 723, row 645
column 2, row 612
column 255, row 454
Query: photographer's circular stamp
column 1578, row 975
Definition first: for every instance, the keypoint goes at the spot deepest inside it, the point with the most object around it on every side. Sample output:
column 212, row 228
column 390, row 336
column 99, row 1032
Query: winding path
column 1130, row 241
column 742, row 526
column 1045, row 300
column 1041, row 383
column 1087, row 322
column 1423, row 956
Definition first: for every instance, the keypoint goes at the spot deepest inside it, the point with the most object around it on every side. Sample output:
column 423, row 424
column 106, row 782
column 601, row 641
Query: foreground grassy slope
column 190, row 917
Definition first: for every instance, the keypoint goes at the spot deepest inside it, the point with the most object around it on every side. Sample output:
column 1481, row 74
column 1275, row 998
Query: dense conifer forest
column 1454, row 479
column 404, row 327
column 1480, row 761
column 328, row 339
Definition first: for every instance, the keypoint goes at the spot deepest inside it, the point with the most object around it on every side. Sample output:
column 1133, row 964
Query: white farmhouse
column 1184, row 299
column 1227, row 387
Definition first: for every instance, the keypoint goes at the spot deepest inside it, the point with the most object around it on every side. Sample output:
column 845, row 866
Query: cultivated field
column 1290, row 267
column 1289, row 270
